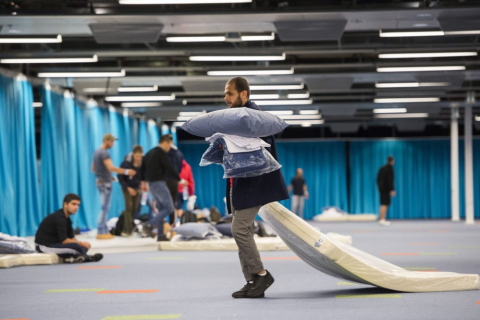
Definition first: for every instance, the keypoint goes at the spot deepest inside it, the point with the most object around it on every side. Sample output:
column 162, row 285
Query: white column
column 469, row 216
column 454, row 165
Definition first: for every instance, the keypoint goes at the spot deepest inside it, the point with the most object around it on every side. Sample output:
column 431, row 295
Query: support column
column 469, row 212
column 454, row 165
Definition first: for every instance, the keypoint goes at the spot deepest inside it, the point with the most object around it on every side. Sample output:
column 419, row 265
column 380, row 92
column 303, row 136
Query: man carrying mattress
column 245, row 197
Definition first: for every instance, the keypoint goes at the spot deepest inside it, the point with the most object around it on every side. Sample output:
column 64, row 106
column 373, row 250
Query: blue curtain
column 422, row 177
column 323, row 164
column 19, row 200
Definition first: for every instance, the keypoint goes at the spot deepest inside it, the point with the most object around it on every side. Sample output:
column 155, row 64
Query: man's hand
column 132, row 191
column 393, row 193
column 85, row 244
column 183, row 182
column 131, row 172
column 306, row 195
column 144, row 186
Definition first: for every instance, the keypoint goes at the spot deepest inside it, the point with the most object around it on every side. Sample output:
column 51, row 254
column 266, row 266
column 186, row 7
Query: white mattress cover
column 346, row 262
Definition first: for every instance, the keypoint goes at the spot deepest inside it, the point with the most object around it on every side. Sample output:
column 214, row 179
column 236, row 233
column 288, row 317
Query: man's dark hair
column 241, row 84
column 137, row 149
column 165, row 138
column 70, row 197
column 390, row 159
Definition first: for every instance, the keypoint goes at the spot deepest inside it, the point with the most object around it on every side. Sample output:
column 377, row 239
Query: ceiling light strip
column 50, row 60
column 136, row 2
column 140, row 98
column 300, row 117
column 137, row 89
column 37, row 104
column 390, row 110
column 249, row 72
column 81, row 74
column 394, row 34
column 238, row 58
column 426, row 55
column 411, row 84
column 277, row 87
column 309, row 112
column 405, row 100
column 197, row 39
column 406, row 69
column 141, row 104
column 259, row 37
column 280, row 112
column 300, row 122
column 57, row 39
column 191, row 113
column 264, row 96
column 283, row 102
column 305, row 95
column 401, row 115
column 462, row 32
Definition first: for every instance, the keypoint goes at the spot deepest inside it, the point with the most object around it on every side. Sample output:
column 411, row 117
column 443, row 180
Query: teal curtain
column 323, row 164
column 19, row 200
column 422, row 177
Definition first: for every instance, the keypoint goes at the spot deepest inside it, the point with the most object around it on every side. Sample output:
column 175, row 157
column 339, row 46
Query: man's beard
column 238, row 103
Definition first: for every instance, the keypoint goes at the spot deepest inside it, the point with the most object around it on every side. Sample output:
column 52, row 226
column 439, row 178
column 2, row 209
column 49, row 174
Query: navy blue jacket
column 176, row 159
column 260, row 190
column 127, row 181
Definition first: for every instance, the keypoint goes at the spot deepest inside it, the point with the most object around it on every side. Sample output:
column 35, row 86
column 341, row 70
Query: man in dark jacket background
column 245, row 197
column 385, row 178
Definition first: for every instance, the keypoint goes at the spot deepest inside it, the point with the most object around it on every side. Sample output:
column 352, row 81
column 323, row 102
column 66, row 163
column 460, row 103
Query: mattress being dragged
column 346, row 262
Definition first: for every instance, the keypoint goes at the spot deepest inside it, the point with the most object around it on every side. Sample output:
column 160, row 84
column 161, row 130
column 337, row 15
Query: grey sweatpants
column 242, row 230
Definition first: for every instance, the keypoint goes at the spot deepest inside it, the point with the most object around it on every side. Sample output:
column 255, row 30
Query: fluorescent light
column 298, row 95
column 411, row 84
column 306, row 124
column 180, row 118
column 238, row 58
column 178, row 123
column 402, row 115
column 453, row 33
column 301, row 122
column 410, row 34
column 196, row 39
column 57, row 39
column 390, row 110
column 426, row 55
column 281, row 112
column 249, row 72
column 309, row 112
column 278, row 87
column 140, row 98
column 94, row 90
column 405, row 100
column 50, row 60
column 191, row 114
column 81, row 74
column 300, row 117
column 181, row 1
column 283, row 102
column 403, row 69
column 259, row 37
column 37, row 104
column 137, row 89
column 477, row 118
column 140, row 104
column 264, row 96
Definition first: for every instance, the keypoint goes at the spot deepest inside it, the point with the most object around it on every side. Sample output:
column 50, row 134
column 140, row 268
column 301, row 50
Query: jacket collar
column 251, row 105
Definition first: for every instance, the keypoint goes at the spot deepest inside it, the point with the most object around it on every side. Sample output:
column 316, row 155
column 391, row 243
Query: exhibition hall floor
column 198, row 285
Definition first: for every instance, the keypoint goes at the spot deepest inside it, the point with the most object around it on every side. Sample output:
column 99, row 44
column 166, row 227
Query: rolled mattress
column 346, row 262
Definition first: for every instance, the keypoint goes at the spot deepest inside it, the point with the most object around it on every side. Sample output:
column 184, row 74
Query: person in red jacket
column 186, row 175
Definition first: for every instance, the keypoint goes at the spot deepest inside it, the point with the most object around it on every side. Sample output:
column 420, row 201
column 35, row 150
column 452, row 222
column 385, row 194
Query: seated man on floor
column 55, row 234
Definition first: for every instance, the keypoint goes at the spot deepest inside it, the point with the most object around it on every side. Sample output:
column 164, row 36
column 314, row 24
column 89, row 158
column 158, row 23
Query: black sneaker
column 147, row 230
column 162, row 238
column 260, row 285
column 74, row 259
column 96, row 257
column 242, row 293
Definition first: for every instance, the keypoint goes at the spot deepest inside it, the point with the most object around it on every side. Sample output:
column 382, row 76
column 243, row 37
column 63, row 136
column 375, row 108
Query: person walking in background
column 187, row 189
column 131, row 188
column 176, row 159
column 300, row 192
column 385, row 183
column 153, row 168
column 102, row 167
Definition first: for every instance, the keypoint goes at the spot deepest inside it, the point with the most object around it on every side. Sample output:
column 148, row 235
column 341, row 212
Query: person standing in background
column 102, row 167
column 176, row 159
column 131, row 187
column 300, row 192
column 187, row 189
column 385, row 183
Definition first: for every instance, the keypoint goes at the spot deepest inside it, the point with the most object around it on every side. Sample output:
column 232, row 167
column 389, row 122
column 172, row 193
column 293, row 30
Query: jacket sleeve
column 191, row 183
column 391, row 178
column 121, row 177
column 168, row 166
column 142, row 170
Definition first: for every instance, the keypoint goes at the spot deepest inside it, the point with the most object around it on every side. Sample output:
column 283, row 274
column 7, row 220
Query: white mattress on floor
column 347, row 217
column 14, row 260
column 346, row 262
column 263, row 244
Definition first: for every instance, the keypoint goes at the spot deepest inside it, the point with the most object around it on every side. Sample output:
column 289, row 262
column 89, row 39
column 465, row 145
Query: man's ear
column 244, row 94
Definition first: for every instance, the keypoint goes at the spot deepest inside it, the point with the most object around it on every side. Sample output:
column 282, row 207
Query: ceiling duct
column 450, row 24
column 126, row 33
column 344, row 127
column 411, row 125
column 328, row 84
column 204, row 86
column 310, row 30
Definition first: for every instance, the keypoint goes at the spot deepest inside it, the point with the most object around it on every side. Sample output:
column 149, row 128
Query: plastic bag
column 239, row 165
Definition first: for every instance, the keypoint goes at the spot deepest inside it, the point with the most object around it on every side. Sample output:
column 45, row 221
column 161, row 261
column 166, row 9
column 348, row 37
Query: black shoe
column 162, row 238
column 147, row 230
column 74, row 259
column 96, row 257
column 242, row 293
column 260, row 285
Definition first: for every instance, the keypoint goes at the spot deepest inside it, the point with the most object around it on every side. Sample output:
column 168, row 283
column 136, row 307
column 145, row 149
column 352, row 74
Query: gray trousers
column 298, row 202
column 242, row 230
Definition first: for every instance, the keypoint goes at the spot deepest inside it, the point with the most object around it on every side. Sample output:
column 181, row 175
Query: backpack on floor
column 188, row 216
column 215, row 215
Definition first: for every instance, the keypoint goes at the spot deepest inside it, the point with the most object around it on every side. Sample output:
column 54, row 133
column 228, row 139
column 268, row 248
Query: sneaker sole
column 245, row 297
column 263, row 294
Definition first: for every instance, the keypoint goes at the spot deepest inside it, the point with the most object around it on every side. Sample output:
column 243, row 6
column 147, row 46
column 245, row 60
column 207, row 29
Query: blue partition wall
column 422, row 177
column 323, row 164
column 19, row 200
